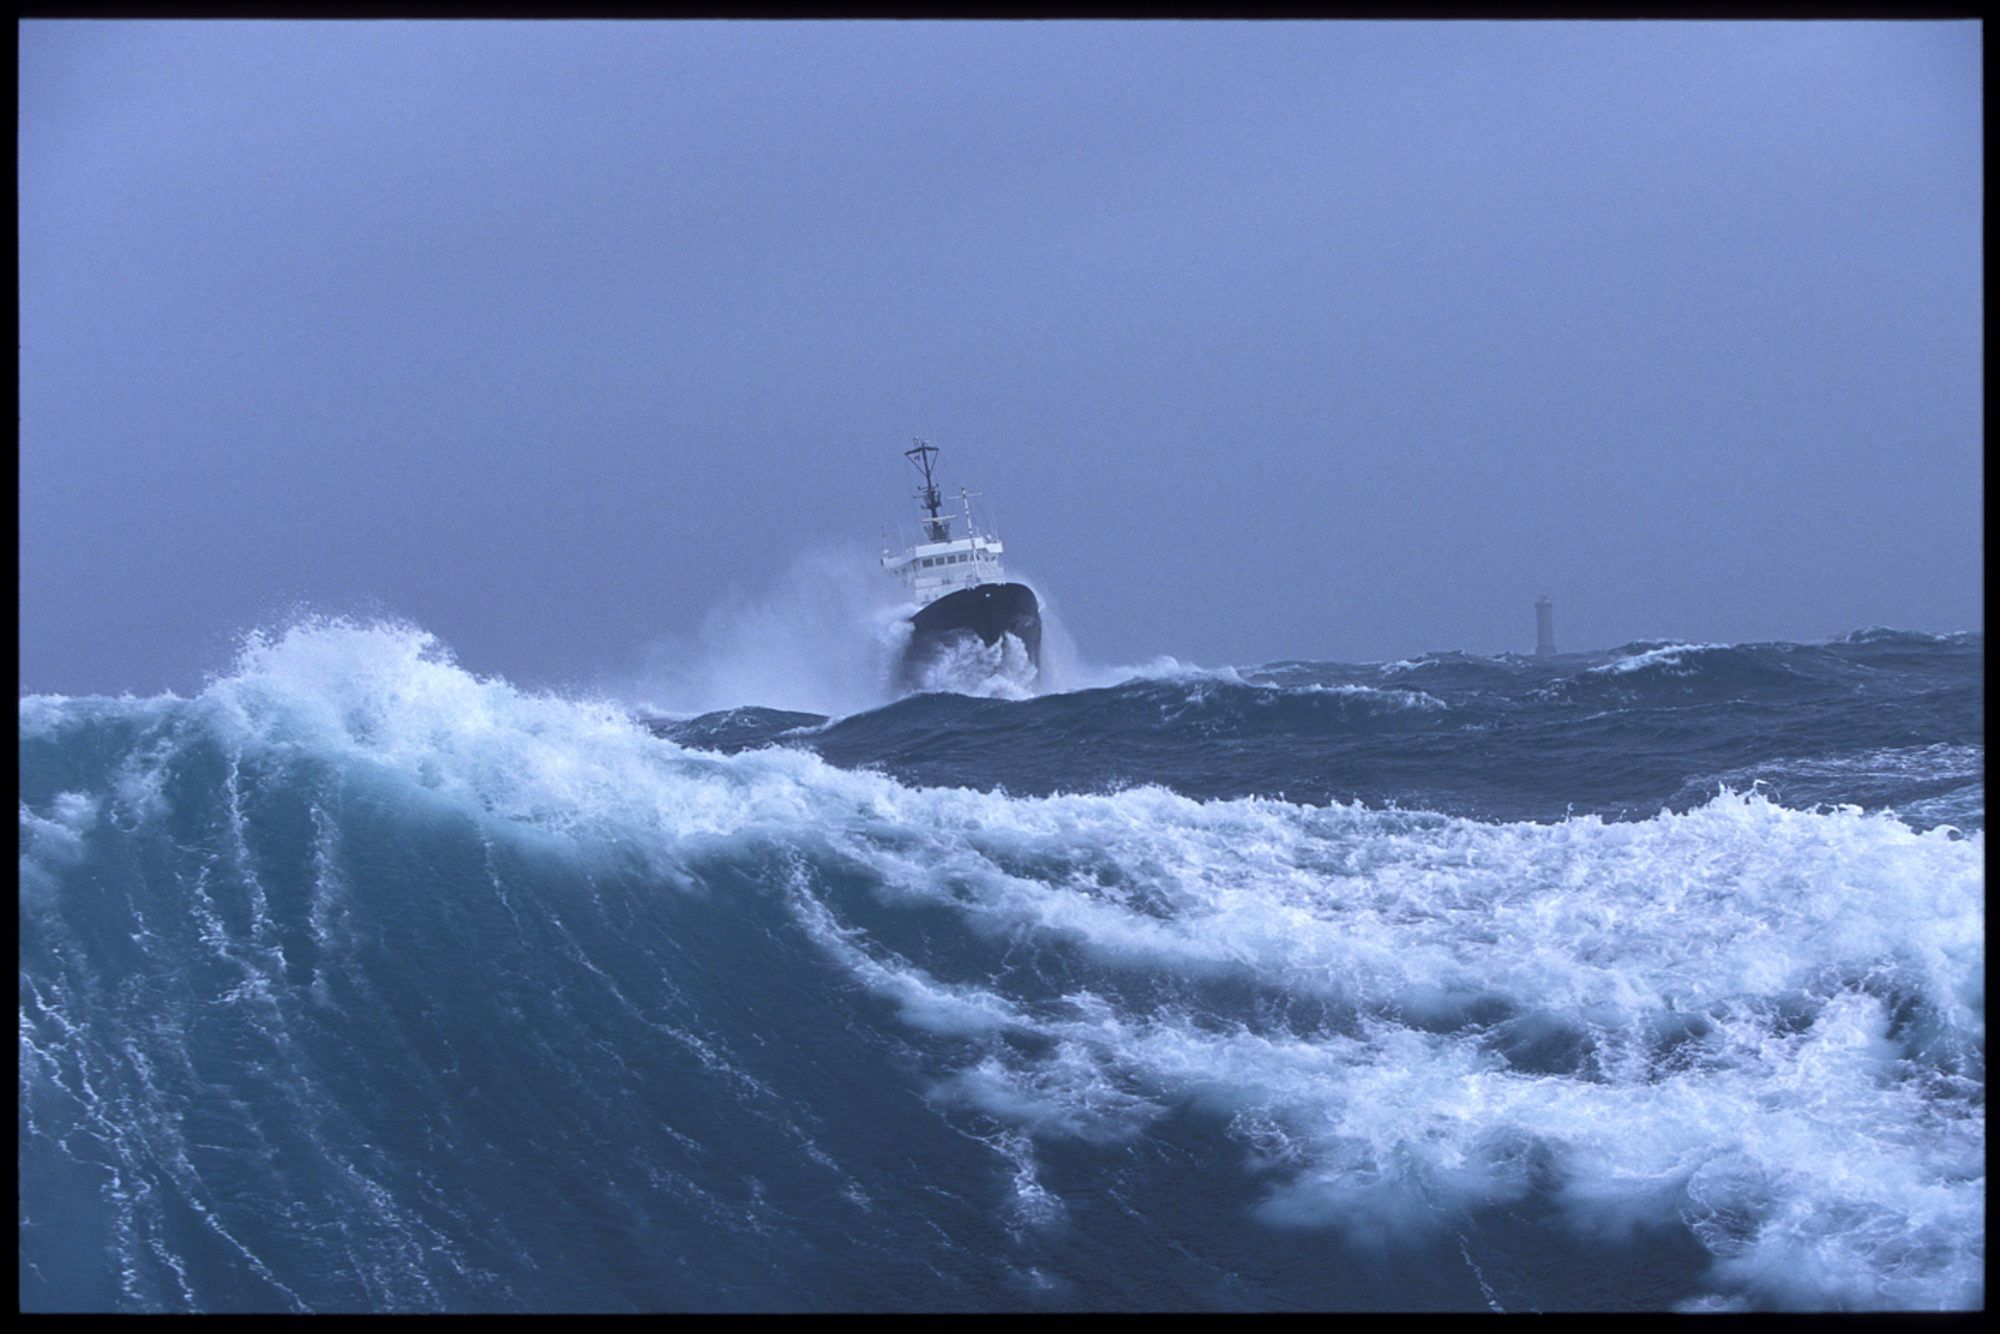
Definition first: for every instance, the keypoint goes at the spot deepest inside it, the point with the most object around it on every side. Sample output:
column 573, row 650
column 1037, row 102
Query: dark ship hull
column 984, row 612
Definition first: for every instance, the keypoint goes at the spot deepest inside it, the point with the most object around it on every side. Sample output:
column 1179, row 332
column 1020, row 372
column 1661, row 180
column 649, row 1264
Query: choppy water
column 1644, row 979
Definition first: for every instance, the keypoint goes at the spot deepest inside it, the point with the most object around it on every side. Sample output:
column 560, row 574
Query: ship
column 962, row 595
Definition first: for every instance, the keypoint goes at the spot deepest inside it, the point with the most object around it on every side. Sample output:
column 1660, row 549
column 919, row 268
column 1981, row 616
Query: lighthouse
column 1545, row 627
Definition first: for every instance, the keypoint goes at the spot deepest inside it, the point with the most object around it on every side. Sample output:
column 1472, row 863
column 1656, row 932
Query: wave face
column 1641, row 980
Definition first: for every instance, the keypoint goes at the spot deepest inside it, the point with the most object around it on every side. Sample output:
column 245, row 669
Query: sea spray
column 824, row 640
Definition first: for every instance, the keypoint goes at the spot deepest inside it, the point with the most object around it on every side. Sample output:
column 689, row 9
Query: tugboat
column 961, row 594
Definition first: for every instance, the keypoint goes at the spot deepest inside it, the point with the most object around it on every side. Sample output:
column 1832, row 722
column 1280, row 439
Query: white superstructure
column 942, row 564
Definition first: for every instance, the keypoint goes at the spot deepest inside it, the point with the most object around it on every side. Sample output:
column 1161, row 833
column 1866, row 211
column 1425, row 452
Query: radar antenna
column 937, row 527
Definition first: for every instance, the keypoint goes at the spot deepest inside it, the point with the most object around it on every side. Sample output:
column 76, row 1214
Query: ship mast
column 937, row 527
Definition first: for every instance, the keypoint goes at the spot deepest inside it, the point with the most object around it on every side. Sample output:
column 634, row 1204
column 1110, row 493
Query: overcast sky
column 1258, row 340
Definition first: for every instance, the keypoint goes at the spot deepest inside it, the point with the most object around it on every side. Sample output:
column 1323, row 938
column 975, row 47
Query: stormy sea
column 1640, row 979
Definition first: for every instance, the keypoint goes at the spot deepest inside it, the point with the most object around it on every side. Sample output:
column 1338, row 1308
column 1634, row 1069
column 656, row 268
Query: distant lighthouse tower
column 1545, row 627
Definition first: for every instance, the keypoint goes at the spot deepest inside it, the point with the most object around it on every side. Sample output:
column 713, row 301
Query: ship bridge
column 943, row 564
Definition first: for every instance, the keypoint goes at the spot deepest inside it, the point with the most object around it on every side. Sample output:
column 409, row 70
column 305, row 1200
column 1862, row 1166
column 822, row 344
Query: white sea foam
column 1164, row 668
column 1774, row 1018
column 52, row 842
column 1401, row 699
column 1694, row 930
column 1800, row 781
column 968, row 667
column 1669, row 657
column 1940, row 760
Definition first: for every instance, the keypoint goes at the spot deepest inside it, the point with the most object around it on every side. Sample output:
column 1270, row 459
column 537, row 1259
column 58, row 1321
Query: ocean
column 1643, row 979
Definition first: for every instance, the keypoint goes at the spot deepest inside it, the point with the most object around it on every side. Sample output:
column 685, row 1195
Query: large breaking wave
column 360, row 982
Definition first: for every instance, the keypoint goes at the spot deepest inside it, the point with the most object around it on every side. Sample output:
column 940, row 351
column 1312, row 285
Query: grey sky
column 1270, row 340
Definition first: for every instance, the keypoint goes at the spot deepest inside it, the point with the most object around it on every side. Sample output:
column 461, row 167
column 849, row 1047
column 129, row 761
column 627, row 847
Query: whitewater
column 1642, row 979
